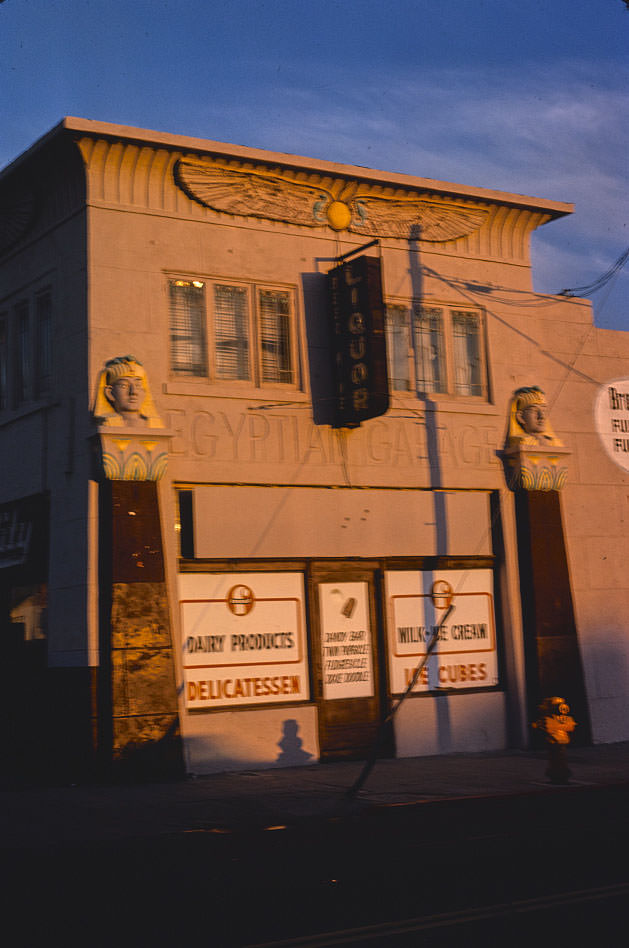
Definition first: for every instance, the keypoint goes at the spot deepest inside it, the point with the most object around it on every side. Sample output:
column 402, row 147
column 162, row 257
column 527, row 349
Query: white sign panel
column 346, row 654
column 465, row 655
column 611, row 415
column 243, row 638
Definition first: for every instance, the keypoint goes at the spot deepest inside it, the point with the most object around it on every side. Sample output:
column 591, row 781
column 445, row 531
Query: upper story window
column 43, row 343
column 26, row 364
column 23, row 361
column 436, row 349
column 228, row 331
column 188, row 355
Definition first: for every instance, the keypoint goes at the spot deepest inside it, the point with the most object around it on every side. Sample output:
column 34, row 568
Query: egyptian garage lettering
column 243, row 639
column 465, row 654
column 251, row 437
column 346, row 650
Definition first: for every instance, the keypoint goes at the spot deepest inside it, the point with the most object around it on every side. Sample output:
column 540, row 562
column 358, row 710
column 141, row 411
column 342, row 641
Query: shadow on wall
column 233, row 752
column 151, row 758
column 292, row 753
column 319, row 347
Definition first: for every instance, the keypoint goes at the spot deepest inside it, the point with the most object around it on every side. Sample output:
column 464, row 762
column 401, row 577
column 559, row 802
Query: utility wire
column 373, row 756
column 598, row 284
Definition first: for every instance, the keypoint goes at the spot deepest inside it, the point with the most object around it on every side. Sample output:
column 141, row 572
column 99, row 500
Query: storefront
column 322, row 445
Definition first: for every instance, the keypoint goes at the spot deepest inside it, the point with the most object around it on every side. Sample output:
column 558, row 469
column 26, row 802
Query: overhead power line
column 596, row 285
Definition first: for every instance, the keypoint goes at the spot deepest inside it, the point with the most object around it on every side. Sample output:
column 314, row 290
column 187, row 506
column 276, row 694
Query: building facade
column 247, row 564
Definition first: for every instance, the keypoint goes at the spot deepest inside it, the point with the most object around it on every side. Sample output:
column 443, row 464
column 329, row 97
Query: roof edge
column 96, row 128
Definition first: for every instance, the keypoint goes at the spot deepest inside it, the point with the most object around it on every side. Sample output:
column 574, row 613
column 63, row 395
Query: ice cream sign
column 465, row 654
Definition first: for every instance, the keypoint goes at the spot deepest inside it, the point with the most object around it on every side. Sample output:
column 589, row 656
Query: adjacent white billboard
column 244, row 639
column 465, row 655
column 611, row 414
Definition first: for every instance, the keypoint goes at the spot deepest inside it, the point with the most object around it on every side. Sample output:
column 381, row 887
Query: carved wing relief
column 415, row 219
column 252, row 193
column 276, row 197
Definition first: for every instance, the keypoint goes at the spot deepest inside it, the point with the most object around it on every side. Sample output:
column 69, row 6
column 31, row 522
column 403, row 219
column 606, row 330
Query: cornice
column 199, row 146
column 132, row 175
column 135, row 169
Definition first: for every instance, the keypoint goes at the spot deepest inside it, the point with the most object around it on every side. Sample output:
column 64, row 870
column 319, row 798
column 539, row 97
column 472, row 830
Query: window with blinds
column 231, row 332
column 429, row 349
column 435, row 349
column 399, row 348
column 188, row 349
column 26, row 339
column 275, row 336
column 237, row 332
column 467, row 353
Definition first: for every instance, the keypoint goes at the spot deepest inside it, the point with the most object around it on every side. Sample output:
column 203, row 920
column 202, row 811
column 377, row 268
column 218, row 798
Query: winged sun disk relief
column 344, row 207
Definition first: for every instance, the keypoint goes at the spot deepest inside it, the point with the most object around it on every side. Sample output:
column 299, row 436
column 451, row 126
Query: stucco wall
column 110, row 269
column 251, row 740
column 226, row 434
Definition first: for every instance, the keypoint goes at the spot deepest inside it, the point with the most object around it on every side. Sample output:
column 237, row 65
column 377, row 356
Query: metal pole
column 371, row 760
column 350, row 253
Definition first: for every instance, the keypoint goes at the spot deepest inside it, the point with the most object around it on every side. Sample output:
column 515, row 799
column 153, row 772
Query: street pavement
column 33, row 816
column 432, row 851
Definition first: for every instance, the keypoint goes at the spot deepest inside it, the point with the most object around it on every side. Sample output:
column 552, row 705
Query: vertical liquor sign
column 358, row 342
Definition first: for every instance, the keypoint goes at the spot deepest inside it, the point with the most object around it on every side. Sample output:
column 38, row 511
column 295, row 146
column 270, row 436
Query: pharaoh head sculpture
column 123, row 397
column 528, row 419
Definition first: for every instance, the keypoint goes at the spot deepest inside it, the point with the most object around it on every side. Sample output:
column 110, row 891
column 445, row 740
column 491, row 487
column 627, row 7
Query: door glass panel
column 346, row 647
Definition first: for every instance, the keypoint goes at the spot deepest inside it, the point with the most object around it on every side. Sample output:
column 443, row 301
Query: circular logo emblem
column 240, row 600
column 611, row 413
column 441, row 594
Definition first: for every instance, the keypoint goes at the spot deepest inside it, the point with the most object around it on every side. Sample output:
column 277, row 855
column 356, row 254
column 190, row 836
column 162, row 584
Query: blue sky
column 528, row 96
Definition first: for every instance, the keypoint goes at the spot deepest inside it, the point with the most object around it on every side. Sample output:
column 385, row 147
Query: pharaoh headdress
column 104, row 411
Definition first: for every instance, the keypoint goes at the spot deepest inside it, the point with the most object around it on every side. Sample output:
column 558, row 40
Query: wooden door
column 347, row 659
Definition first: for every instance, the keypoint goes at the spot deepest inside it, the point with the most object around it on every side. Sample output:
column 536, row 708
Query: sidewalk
column 238, row 802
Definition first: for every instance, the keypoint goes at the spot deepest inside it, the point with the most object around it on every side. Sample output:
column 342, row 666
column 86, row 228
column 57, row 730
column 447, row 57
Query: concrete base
column 221, row 741
column 451, row 724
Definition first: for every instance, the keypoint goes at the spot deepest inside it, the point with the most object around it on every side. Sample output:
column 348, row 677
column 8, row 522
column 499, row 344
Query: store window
column 435, row 349
column 237, row 332
column 28, row 611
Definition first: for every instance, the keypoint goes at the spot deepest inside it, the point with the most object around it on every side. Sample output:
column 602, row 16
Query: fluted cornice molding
column 164, row 180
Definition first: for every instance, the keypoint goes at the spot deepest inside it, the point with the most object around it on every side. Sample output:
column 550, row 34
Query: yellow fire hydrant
column 556, row 724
